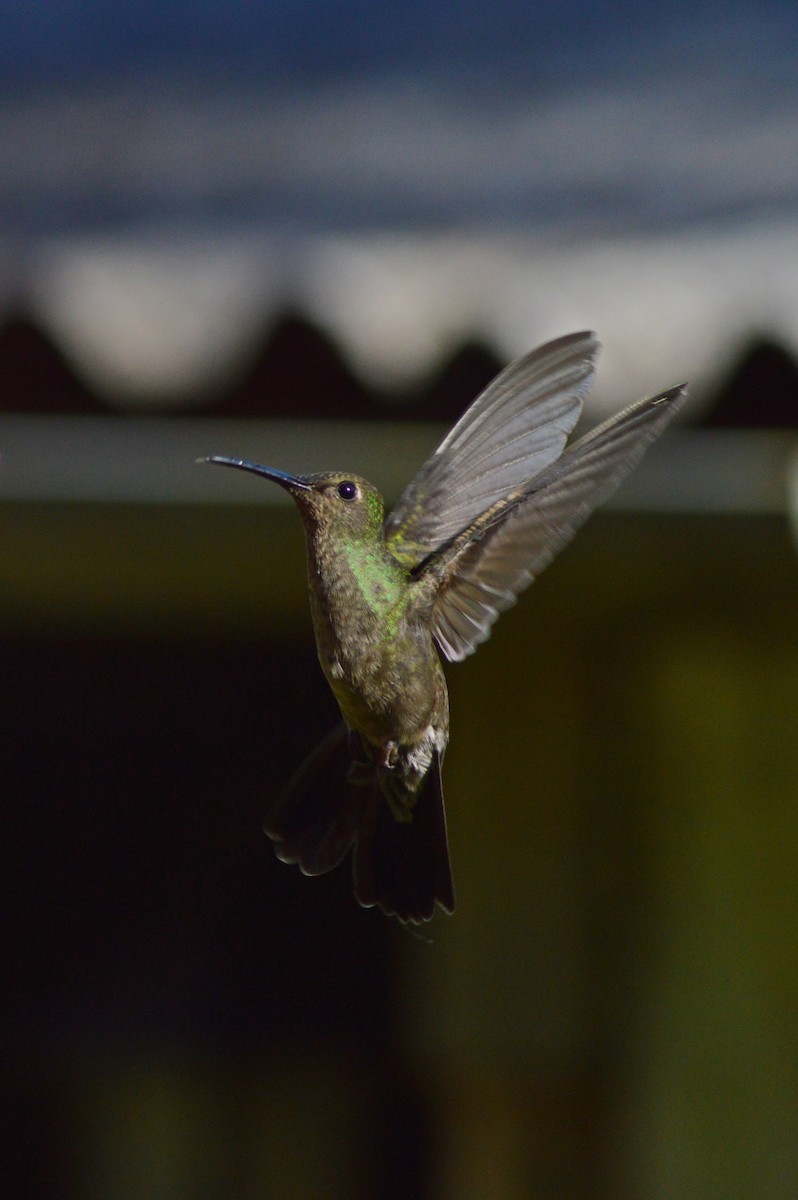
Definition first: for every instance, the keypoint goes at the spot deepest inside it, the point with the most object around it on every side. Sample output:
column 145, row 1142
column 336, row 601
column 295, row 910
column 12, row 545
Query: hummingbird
column 488, row 510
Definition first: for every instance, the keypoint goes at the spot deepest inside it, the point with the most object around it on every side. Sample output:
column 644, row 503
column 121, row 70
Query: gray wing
column 515, row 428
column 483, row 571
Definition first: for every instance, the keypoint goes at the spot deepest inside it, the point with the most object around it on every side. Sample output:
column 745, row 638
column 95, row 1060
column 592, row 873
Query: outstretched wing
column 515, row 428
column 482, row 572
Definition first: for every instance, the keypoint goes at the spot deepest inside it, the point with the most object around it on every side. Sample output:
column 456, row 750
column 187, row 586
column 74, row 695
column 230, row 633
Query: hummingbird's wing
column 515, row 428
column 482, row 571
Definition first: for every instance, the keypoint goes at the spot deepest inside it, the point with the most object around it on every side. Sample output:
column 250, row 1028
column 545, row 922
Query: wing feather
column 515, row 428
column 484, row 569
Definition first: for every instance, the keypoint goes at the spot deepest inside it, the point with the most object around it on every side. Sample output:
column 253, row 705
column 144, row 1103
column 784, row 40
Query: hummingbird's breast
column 376, row 652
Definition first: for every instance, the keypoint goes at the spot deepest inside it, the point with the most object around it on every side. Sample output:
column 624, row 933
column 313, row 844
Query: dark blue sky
column 369, row 114
column 283, row 41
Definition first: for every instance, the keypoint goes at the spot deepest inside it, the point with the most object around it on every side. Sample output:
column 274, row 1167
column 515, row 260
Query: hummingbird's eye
column 347, row 490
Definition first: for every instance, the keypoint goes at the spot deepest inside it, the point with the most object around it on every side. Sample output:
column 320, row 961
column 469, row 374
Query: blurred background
column 309, row 234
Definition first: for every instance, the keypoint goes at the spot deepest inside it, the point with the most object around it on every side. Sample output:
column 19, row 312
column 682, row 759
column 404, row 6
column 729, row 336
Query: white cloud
column 152, row 318
column 161, row 319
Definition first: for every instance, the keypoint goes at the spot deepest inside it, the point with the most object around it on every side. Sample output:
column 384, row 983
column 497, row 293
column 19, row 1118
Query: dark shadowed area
column 183, row 1014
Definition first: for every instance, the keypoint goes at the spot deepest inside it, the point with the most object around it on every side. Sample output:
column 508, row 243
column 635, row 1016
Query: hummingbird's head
column 346, row 505
column 334, row 502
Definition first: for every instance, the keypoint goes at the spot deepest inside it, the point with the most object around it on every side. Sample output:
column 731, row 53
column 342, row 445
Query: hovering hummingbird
column 486, row 513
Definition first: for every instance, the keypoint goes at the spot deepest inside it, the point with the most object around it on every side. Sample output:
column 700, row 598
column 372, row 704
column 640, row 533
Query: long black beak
column 289, row 482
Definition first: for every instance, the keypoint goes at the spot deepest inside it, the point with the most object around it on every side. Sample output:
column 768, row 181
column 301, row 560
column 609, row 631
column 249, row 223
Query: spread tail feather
column 315, row 818
column 401, row 866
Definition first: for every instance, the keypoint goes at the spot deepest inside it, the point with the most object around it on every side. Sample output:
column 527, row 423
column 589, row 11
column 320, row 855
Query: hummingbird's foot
column 381, row 772
column 388, row 755
column 365, row 771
